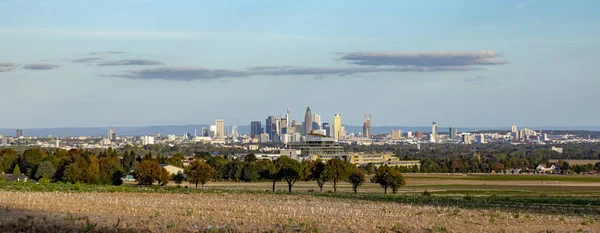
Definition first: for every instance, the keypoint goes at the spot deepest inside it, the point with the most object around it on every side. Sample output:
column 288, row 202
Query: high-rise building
column 419, row 135
column 212, row 131
column 205, row 132
column 287, row 119
column 409, row 134
column 480, row 139
column 272, row 128
column 328, row 130
column 342, row 133
column 434, row 129
column 513, row 129
column 234, row 131
column 112, row 135
column 367, row 126
column 19, row 133
column 396, row 134
column 337, row 125
column 451, row 133
column 220, row 130
column 316, row 122
column 308, row 121
column 255, row 129
column 147, row 140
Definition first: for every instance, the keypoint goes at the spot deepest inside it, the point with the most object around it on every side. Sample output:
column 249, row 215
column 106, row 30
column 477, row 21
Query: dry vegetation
column 258, row 213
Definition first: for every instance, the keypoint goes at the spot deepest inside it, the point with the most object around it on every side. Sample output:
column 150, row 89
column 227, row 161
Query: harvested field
column 49, row 211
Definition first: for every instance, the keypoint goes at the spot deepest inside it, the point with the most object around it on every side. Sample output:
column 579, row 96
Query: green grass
column 501, row 177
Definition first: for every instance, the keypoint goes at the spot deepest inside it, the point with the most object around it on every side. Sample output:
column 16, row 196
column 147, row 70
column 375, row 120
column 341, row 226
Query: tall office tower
column 212, row 131
column 451, row 133
column 396, row 134
column 308, row 121
column 220, row 128
column 234, row 131
column 287, row 119
column 272, row 128
column 283, row 125
column 112, row 135
column 409, row 134
column 337, row 124
column 513, row 129
column 342, row 133
column 327, row 128
column 316, row 122
column 480, row 139
column 255, row 128
column 19, row 133
column 367, row 126
column 434, row 129
column 205, row 132
column 195, row 133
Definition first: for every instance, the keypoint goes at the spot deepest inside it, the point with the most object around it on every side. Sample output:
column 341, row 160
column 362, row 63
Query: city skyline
column 464, row 63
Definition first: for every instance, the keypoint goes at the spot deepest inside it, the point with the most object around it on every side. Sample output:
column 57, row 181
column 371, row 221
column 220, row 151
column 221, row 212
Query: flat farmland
column 239, row 212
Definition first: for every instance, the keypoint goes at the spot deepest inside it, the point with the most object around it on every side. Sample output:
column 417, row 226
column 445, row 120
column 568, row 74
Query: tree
column 250, row 172
column 72, row 174
column 250, row 158
column 313, row 170
column 128, row 159
column 92, row 173
column 356, row 178
column 8, row 159
column 111, row 171
column 289, row 170
column 17, row 170
column 200, row 172
column 337, row 170
column 164, row 177
column 269, row 172
column 388, row 177
column 370, row 168
column 218, row 163
column 147, row 172
column 178, row 178
column 30, row 159
column 45, row 170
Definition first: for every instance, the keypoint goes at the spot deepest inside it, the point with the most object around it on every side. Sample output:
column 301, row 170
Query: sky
column 461, row 63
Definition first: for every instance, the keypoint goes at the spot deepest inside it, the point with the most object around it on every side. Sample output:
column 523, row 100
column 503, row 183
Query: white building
column 481, row 138
column 219, row 128
column 396, row 134
column 147, row 140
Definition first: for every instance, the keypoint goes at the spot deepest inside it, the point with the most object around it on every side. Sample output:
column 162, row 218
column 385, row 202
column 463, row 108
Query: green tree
column 92, row 173
column 17, row 170
column 250, row 172
column 269, row 172
column 178, row 178
column 147, row 172
column 176, row 160
column 370, row 168
column 388, row 177
column 289, row 170
column 111, row 171
column 164, row 177
column 250, row 158
column 30, row 159
column 72, row 174
column 200, row 173
column 128, row 159
column 45, row 170
column 356, row 178
column 218, row 163
column 8, row 159
column 337, row 170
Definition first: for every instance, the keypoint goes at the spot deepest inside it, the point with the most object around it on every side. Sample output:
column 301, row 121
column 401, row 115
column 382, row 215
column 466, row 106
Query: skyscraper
column 19, row 133
column 396, row 134
column 513, row 129
column 308, row 121
column 272, row 128
column 205, row 132
column 112, row 135
column 220, row 130
column 255, row 129
column 451, row 133
column 367, row 126
column 434, row 129
column 316, row 122
column 328, row 130
column 287, row 119
column 337, row 124
column 234, row 131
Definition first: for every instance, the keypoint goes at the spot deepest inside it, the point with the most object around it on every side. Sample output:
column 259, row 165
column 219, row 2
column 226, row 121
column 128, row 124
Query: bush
column 426, row 193
column 44, row 181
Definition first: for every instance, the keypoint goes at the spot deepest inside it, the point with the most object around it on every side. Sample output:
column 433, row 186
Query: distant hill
column 245, row 129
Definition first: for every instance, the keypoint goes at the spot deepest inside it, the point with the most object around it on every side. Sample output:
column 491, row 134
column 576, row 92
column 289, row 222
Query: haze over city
column 137, row 63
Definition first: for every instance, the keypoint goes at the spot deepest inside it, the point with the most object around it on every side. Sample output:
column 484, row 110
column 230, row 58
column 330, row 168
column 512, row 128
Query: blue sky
column 149, row 62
